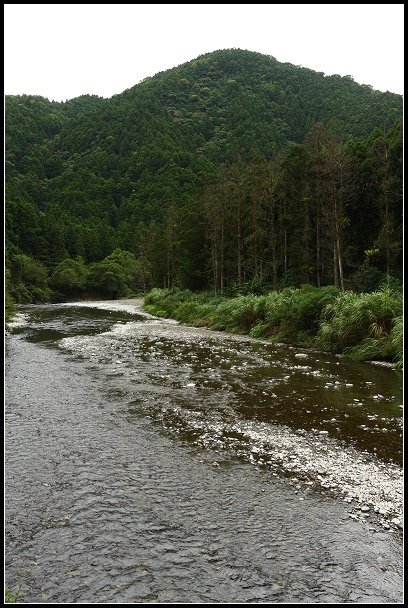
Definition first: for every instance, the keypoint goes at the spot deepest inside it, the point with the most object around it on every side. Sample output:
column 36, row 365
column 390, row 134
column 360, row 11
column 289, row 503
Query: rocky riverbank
column 129, row 477
column 310, row 460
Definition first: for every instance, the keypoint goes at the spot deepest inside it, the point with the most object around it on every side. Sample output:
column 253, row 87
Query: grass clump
column 363, row 326
column 9, row 307
column 11, row 597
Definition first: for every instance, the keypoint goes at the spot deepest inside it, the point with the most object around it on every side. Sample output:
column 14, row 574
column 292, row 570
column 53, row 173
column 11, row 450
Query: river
column 150, row 462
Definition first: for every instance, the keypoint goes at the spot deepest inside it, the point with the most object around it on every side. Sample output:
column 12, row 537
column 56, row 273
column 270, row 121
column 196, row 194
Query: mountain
column 141, row 171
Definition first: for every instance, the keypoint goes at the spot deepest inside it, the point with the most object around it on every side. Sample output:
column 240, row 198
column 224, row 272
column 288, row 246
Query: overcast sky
column 61, row 51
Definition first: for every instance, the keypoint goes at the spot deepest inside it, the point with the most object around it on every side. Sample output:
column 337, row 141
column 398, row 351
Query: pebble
column 376, row 486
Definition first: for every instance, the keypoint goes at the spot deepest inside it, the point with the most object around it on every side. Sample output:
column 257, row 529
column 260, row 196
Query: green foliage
column 396, row 343
column 70, row 276
column 236, row 314
column 107, row 278
column 259, row 330
column 28, row 282
column 209, row 175
column 9, row 303
column 362, row 326
column 283, row 315
column 297, row 312
column 366, row 278
column 136, row 271
column 10, row 596
column 183, row 305
column 9, row 306
column 154, row 296
column 119, row 274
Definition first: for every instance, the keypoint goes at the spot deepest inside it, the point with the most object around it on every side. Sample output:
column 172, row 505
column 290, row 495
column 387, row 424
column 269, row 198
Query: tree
column 70, row 276
column 28, row 279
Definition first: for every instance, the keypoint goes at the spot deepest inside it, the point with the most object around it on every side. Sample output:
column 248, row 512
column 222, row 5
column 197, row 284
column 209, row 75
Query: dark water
column 104, row 505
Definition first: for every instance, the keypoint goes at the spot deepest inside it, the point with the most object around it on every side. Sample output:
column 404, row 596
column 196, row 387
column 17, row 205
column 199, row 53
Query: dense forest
column 233, row 173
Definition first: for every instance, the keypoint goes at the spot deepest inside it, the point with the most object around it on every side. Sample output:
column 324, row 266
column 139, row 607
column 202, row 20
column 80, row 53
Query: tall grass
column 363, row 326
column 9, row 306
column 397, row 341
column 11, row 597
column 182, row 304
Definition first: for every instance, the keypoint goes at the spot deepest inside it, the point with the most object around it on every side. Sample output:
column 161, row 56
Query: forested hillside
column 232, row 172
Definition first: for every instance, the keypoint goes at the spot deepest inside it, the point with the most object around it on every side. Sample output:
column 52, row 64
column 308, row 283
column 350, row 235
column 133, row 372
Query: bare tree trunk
column 318, row 243
column 215, row 269
column 335, row 266
column 273, row 248
column 337, row 244
column 222, row 270
column 239, row 252
column 170, row 244
column 339, row 257
column 306, row 230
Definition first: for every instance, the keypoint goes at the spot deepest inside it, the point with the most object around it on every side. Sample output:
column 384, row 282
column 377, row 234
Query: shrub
column 364, row 326
column 361, row 324
column 10, row 596
column 397, row 341
column 9, row 306
column 70, row 276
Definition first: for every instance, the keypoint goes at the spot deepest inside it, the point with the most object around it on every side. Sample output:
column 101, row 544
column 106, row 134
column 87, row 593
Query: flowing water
column 149, row 462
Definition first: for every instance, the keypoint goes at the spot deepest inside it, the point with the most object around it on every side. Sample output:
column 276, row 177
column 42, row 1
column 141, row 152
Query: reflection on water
column 50, row 324
column 356, row 402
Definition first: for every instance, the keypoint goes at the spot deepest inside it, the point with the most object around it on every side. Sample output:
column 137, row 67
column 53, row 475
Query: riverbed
column 152, row 462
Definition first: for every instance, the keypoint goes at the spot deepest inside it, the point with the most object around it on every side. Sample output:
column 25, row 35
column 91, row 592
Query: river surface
column 149, row 462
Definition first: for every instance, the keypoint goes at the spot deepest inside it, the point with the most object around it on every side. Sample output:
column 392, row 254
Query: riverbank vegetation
column 11, row 597
column 364, row 326
column 9, row 306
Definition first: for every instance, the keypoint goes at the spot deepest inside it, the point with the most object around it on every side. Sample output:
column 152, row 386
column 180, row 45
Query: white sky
column 61, row 51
